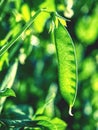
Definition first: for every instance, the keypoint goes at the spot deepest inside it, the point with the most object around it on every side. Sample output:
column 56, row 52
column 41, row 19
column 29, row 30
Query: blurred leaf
column 87, row 29
column 7, row 92
column 8, row 82
column 46, row 122
column 54, row 124
column 19, row 112
column 94, row 82
column 50, row 107
column 25, row 12
column 66, row 64
column 49, row 5
column 40, row 20
column 51, row 94
column 61, row 125
column 49, row 99
column 18, row 123
column 41, row 122
column 1, row 2
column 4, row 59
column 10, row 76
column 87, row 71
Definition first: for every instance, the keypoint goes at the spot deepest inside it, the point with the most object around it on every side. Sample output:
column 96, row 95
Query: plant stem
column 9, row 44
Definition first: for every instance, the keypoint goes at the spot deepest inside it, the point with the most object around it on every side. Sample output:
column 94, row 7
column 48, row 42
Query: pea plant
column 67, row 76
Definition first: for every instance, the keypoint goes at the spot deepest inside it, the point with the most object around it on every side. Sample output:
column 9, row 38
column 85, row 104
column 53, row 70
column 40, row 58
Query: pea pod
column 67, row 65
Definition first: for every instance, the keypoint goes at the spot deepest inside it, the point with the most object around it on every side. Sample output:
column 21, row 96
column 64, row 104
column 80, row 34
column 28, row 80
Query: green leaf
column 8, row 82
column 4, row 59
column 61, row 125
column 19, row 123
column 10, row 76
column 66, row 64
column 25, row 12
column 39, row 122
column 46, row 122
column 48, row 106
column 19, row 112
column 7, row 92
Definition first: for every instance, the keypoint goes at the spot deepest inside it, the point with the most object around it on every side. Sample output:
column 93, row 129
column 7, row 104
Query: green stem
column 9, row 44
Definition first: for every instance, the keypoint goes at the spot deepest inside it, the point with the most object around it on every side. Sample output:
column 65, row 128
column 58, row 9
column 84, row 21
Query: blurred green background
column 37, row 74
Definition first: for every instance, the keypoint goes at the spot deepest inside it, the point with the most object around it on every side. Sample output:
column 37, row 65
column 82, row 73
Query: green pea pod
column 67, row 65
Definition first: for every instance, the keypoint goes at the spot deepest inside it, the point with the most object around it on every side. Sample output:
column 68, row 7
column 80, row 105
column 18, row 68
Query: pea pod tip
column 70, row 111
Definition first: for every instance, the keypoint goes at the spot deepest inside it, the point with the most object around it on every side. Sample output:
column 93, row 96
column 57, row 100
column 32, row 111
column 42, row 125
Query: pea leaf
column 7, row 84
column 67, row 65
column 7, row 92
column 39, row 122
column 10, row 76
column 61, row 125
column 46, row 122
column 18, row 123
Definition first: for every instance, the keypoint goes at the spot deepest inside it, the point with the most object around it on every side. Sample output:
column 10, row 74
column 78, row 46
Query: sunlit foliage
column 36, row 83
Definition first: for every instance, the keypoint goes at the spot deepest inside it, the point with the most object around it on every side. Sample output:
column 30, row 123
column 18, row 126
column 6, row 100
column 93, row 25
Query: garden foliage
column 41, row 67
